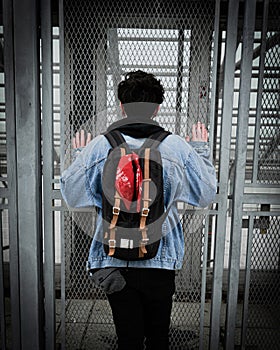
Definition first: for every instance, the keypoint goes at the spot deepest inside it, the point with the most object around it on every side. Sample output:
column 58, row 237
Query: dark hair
column 139, row 86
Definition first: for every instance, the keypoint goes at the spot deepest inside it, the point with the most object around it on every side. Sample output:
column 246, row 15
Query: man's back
column 188, row 177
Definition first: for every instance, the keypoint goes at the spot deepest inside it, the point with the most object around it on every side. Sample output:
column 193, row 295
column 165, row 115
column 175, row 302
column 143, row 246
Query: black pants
column 142, row 309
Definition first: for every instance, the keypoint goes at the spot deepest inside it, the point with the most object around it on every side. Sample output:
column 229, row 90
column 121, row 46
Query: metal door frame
column 34, row 319
column 24, row 171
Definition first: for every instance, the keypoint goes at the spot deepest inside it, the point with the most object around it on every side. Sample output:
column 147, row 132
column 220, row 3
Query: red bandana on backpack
column 129, row 181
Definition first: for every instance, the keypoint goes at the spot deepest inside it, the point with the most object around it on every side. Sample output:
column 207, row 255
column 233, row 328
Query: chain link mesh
column 185, row 319
column 103, row 41
column 269, row 146
column 264, row 298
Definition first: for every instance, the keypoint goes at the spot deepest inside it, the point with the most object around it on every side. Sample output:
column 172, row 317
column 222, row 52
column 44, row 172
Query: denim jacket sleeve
column 75, row 187
column 192, row 180
column 197, row 185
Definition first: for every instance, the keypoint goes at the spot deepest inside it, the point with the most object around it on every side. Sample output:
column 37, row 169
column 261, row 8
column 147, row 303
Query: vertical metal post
column 63, row 283
column 179, row 87
column 101, row 81
column 260, row 90
column 228, row 89
column 212, row 112
column 62, row 142
column 114, row 59
column 12, row 170
column 240, row 159
column 62, row 82
column 47, row 124
column 28, row 147
column 247, row 282
column 212, row 120
column 203, row 284
column 2, row 291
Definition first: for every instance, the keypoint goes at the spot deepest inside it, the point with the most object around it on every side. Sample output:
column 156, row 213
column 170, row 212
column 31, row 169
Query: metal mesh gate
column 263, row 308
column 203, row 66
column 102, row 41
column 261, row 303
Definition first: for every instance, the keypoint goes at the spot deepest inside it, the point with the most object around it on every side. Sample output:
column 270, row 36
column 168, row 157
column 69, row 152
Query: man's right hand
column 199, row 133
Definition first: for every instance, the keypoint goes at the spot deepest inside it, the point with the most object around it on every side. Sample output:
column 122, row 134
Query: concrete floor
column 89, row 326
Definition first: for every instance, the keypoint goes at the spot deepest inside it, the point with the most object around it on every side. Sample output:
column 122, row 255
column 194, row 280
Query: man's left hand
column 79, row 140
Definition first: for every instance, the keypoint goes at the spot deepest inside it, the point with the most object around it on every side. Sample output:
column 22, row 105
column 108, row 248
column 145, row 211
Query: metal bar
column 279, row 255
column 231, row 39
column 153, row 39
column 101, row 84
column 212, row 112
column 262, row 186
column 12, row 170
column 194, row 78
column 4, row 192
column 240, row 157
column 28, row 146
column 62, row 140
column 247, row 283
column 56, row 194
column 163, row 22
column 261, row 213
column 47, row 124
column 203, row 285
column 222, row 69
column 63, row 282
column 61, row 75
column 179, row 87
column 4, row 206
column 2, row 290
column 261, row 198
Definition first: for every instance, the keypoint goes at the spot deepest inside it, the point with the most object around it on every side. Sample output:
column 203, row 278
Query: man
column 142, row 299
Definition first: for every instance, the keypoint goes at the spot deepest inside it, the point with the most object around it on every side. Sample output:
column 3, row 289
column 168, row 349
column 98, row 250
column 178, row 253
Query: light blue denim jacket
column 188, row 176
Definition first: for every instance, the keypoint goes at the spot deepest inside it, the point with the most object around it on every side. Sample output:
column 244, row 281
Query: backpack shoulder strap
column 154, row 140
column 116, row 139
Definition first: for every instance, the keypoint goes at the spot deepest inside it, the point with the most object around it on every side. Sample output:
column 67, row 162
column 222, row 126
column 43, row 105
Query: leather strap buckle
column 116, row 210
column 112, row 243
column 145, row 211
